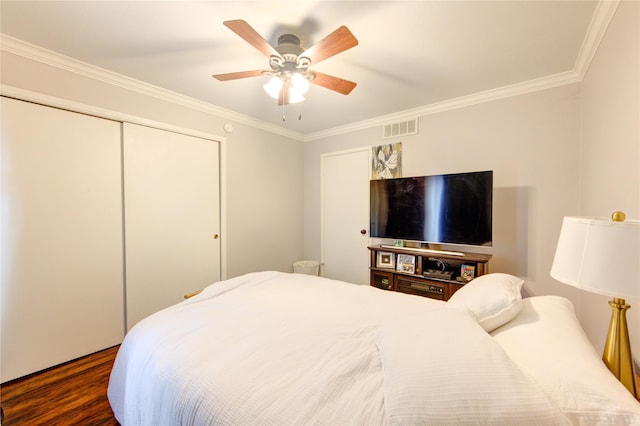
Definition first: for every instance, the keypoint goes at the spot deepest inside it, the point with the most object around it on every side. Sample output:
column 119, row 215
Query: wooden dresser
column 424, row 272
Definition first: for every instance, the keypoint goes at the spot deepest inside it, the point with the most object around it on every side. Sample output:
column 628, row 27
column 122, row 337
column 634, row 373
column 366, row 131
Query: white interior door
column 61, row 231
column 172, row 217
column 345, row 215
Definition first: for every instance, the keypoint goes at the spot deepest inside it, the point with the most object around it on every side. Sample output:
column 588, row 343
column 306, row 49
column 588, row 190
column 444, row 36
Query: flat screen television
column 440, row 209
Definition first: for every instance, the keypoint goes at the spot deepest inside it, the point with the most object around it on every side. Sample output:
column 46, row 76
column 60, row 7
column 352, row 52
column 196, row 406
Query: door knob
column 363, row 231
column 216, row 236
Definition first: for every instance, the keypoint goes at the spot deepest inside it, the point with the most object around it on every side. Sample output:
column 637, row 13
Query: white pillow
column 494, row 299
column 547, row 342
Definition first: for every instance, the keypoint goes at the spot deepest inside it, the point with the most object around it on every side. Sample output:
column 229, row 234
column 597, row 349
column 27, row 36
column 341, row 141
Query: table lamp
column 603, row 256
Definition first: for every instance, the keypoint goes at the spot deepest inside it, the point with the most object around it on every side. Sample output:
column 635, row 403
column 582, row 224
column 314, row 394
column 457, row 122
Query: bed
column 290, row 349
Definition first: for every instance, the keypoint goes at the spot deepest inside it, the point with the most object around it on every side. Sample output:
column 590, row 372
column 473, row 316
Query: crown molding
column 604, row 12
column 605, row 9
column 36, row 53
column 451, row 104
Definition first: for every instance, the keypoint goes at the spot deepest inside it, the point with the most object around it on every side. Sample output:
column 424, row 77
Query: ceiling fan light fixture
column 273, row 87
column 299, row 83
column 298, row 86
column 295, row 96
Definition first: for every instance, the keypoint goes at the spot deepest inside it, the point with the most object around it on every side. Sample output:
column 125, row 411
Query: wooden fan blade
column 336, row 42
column 246, row 31
column 237, row 75
column 283, row 97
column 336, row 84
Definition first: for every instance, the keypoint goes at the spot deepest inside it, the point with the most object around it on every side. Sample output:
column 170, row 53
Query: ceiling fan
column 290, row 63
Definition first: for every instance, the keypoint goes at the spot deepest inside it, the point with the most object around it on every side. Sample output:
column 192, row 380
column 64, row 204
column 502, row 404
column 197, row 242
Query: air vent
column 401, row 128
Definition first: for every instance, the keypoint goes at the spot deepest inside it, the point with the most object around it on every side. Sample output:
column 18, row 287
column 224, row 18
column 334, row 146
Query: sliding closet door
column 172, row 217
column 61, row 237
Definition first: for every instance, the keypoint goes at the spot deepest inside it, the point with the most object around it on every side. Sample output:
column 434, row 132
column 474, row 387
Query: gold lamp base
column 617, row 349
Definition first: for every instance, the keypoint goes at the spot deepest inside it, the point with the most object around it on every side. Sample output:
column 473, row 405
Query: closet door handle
column 363, row 231
column 216, row 236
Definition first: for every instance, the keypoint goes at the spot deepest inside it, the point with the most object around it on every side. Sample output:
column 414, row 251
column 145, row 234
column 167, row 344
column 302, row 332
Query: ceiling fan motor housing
column 289, row 48
column 289, row 44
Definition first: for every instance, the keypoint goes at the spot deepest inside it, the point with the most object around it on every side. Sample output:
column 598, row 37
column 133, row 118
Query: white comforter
column 277, row 348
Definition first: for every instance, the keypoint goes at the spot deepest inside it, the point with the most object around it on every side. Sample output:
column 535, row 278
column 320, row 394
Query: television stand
column 424, row 272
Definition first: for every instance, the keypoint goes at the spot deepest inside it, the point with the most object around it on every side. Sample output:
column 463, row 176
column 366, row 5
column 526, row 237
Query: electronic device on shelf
column 442, row 275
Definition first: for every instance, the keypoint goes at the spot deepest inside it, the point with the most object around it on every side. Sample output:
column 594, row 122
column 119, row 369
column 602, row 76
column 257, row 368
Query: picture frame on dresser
column 406, row 263
column 467, row 272
column 386, row 259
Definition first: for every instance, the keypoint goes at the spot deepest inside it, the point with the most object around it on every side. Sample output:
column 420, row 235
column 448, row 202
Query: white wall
column 529, row 141
column 552, row 154
column 610, row 156
column 263, row 169
column 264, row 201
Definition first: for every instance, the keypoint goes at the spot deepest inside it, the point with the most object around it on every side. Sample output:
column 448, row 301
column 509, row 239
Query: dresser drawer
column 432, row 289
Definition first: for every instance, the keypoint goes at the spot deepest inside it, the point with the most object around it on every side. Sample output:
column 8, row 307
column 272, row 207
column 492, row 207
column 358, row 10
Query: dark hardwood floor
column 74, row 393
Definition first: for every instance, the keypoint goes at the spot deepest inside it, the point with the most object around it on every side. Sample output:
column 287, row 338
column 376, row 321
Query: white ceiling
column 411, row 54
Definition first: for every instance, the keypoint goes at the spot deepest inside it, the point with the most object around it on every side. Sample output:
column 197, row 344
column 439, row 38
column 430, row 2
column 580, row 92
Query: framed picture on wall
column 386, row 161
column 385, row 260
column 406, row 263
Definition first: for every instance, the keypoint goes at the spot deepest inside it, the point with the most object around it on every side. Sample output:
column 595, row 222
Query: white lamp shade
column 600, row 256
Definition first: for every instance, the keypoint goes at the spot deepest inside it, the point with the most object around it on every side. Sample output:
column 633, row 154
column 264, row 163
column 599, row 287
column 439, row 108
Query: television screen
column 441, row 209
